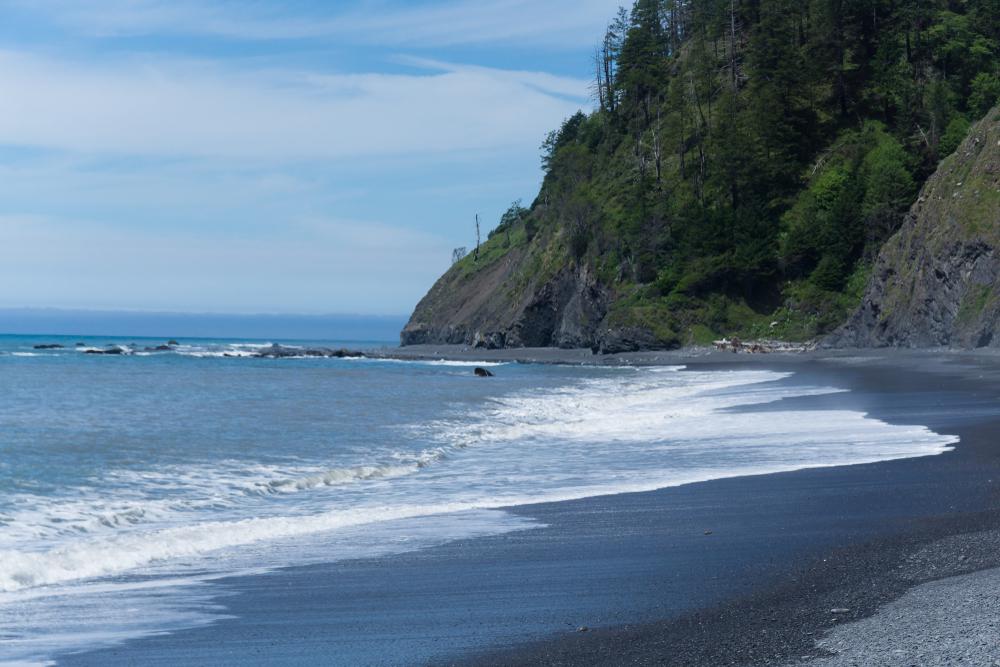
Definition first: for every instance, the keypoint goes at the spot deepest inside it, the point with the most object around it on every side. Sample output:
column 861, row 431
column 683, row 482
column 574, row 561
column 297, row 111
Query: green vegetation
column 974, row 303
column 748, row 158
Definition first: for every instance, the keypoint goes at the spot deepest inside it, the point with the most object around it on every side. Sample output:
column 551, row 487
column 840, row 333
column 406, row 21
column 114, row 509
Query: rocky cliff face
column 525, row 292
column 506, row 304
column 937, row 281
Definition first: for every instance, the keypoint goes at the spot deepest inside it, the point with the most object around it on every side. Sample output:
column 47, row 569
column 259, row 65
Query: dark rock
column 172, row 342
column 494, row 340
column 936, row 282
column 81, row 345
column 482, row 372
column 49, row 346
column 159, row 348
column 625, row 339
column 108, row 350
column 281, row 352
column 276, row 351
column 493, row 309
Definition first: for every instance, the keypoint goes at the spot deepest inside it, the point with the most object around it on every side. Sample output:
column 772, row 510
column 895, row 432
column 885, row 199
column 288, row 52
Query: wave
column 635, row 430
column 92, row 558
column 248, row 350
column 336, row 477
column 40, row 622
column 431, row 362
column 127, row 499
column 688, row 410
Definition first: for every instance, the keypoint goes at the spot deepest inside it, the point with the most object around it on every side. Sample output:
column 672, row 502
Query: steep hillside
column 509, row 302
column 937, row 281
column 745, row 164
column 527, row 296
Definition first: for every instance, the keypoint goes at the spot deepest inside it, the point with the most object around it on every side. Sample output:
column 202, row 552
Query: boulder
column 108, row 350
column 276, row 351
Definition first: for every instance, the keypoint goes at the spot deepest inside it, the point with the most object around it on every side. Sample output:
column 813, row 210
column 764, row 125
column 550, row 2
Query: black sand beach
column 742, row 571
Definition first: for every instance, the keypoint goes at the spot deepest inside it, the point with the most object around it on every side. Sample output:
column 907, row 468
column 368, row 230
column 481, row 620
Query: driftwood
column 736, row 346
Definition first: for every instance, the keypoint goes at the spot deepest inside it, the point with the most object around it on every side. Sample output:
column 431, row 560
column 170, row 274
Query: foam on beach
column 584, row 434
column 641, row 429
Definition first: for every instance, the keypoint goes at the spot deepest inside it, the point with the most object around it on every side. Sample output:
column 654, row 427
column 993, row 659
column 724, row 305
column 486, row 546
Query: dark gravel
column 905, row 598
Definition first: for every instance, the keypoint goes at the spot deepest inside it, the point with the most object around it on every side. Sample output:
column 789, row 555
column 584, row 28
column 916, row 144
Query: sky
column 270, row 157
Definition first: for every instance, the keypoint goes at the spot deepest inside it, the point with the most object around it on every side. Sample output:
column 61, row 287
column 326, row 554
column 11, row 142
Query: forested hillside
column 746, row 161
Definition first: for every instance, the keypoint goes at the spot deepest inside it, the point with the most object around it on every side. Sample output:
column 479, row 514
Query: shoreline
column 864, row 603
column 866, row 546
column 931, row 359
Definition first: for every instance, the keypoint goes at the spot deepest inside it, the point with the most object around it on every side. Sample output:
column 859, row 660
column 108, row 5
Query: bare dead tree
column 657, row 147
column 608, row 54
column 599, row 84
column 701, row 135
column 476, row 257
column 733, row 72
column 458, row 254
column 607, row 64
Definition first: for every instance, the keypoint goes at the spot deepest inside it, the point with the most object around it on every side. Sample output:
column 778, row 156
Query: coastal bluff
column 505, row 306
column 936, row 282
column 723, row 186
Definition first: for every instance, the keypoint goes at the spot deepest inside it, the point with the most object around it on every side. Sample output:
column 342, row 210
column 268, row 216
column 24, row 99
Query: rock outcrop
column 511, row 303
column 276, row 351
column 111, row 349
column 936, row 282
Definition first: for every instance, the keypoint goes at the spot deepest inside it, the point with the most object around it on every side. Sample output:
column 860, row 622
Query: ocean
column 128, row 484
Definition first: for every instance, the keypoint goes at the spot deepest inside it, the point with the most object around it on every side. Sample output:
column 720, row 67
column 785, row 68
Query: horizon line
column 194, row 313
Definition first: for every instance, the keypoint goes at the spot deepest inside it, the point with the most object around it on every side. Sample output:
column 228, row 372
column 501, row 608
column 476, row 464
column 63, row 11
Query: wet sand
column 747, row 571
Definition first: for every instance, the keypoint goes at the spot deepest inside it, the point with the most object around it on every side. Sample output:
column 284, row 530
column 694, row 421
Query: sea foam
column 639, row 430
column 631, row 429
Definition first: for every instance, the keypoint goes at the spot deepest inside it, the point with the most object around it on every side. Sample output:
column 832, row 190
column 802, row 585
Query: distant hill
column 745, row 164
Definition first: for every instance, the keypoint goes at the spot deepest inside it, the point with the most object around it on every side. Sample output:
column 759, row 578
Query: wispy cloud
column 553, row 22
column 246, row 156
column 184, row 108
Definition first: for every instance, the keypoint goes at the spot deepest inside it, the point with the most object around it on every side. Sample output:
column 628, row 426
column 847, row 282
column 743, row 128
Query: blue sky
column 283, row 157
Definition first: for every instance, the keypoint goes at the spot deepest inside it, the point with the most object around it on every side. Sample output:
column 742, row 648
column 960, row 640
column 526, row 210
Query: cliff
column 528, row 295
column 727, row 185
column 936, row 282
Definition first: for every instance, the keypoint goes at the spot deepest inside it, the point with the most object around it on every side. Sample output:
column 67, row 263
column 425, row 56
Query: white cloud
column 224, row 184
column 156, row 107
column 314, row 265
column 553, row 23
